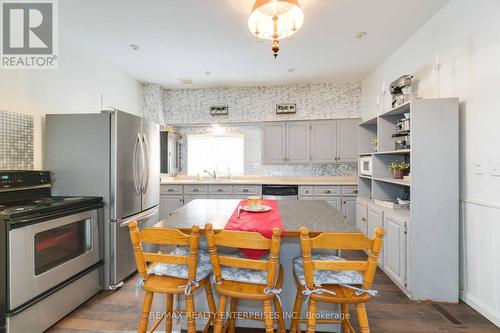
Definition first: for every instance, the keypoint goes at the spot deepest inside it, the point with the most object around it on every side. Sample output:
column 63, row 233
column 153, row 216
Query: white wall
column 80, row 84
column 466, row 35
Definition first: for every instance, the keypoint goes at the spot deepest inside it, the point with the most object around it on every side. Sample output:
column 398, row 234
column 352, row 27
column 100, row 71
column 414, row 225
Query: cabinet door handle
column 327, row 191
column 170, row 190
column 363, row 219
column 196, row 190
column 245, row 190
column 220, row 190
column 355, row 191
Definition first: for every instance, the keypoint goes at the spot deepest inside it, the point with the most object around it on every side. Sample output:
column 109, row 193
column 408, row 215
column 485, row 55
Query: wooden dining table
column 318, row 216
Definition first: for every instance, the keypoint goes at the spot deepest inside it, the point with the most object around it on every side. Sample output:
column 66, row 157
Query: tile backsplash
column 16, row 141
column 252, row 155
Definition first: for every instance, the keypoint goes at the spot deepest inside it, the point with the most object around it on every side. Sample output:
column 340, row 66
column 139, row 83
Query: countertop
column 318, row 216
column 259, row 180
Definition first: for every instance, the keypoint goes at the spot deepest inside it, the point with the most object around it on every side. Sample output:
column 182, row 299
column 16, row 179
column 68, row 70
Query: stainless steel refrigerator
column 115, row 155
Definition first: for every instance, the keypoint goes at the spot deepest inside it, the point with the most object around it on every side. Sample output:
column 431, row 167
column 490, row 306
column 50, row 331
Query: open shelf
column 365, row 176
column 369, row 122
column 366, row 154
column 393, row 181
column 393, row 152
column 398, row 110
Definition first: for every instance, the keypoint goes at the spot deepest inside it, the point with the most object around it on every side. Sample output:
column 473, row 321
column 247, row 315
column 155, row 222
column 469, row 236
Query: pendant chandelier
column 275, row 20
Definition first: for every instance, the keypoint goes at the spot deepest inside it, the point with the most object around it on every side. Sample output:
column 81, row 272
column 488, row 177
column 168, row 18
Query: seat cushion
column 243, row 274
column 181, row 271
column 326, row 277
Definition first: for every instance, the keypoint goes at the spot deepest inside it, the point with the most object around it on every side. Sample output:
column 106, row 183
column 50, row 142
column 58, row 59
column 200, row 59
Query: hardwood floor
column 390, row 312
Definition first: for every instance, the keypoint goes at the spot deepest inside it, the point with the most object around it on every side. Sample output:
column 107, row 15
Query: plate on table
column 262, row 209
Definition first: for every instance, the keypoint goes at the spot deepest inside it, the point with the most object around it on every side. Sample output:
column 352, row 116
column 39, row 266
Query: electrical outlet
column 478, row 168
column 495, row 169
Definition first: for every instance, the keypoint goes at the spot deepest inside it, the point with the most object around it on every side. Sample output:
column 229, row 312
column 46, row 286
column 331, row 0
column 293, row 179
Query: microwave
column 365, row 166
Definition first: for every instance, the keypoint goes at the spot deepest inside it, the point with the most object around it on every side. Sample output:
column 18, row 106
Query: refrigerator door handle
column 146, row 169
column 135, row 166
column 139, row 218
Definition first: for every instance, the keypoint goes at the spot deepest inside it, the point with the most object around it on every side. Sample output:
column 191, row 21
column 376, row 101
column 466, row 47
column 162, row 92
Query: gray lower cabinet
column 334, row 201
column 190, row 197
column 349, row 209
column 375, row 217
column 395, row 241
column 169, row 203
column 362, row 215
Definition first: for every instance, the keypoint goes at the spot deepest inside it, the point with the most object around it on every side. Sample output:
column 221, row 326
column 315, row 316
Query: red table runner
column 263, row 223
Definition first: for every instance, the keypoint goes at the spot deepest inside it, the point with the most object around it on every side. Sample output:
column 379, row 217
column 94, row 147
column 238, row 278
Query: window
column 214, row 152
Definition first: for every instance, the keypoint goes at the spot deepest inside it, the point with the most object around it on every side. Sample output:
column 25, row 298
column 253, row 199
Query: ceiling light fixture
column 275, row 20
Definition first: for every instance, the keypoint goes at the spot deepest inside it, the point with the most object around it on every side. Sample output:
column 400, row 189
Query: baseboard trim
column 480, row 307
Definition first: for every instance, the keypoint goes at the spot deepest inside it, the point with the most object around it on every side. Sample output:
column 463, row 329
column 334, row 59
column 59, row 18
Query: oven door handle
column 139, row 217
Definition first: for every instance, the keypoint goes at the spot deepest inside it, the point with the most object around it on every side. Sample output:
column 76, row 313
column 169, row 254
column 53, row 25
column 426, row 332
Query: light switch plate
column 479, row 168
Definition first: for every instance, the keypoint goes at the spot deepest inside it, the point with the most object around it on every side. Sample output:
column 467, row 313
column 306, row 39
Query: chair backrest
column 341, row 241
column 164, row 236
column 244, row 240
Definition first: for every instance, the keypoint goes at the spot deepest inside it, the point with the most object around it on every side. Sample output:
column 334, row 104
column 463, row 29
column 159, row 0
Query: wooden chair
column 169, row 285
column 352, row 279
column 268, row 269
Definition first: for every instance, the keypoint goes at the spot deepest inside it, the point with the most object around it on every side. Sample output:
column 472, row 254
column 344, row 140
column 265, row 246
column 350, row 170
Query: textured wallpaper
column 255, row 104
column 16, row 141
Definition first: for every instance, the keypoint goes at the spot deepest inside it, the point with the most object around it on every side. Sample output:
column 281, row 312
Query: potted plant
column 374, row 143
column 399, row 169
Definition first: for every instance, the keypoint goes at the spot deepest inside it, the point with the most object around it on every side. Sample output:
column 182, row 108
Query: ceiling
column 184, row 39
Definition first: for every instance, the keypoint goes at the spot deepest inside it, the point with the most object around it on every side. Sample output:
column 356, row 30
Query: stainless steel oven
column 45, row 254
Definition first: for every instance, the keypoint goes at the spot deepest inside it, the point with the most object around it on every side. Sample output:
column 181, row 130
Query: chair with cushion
column 182, row 271
column 237, row 277
column 332, row 279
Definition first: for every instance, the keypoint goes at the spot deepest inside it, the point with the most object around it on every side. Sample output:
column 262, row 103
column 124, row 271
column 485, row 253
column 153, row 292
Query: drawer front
column 250, row 189
column 306, row 190
column 195, row 189
column 349, row 191
column 171, row 189
column 327, row 190
column 220, row 189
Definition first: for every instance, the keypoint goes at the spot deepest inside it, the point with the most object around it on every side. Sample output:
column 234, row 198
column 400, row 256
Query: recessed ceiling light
column 208, row 73
column 134, row 47
column 290, row 70
column 186, row 80
column 361, row 34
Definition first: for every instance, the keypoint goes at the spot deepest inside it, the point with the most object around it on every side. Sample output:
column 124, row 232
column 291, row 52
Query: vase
column 398, row 174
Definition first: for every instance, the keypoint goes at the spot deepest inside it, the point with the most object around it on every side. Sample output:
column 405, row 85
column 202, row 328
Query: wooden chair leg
column 190, row 314
column 169, row 313
column 345, row 317
column 297, row 309
column 268, row 316
column 362, row 318
column 146, row 308
column 281, row 319
column 311, row 316
column 211, row 306
column 232, row 315
column 219, row 318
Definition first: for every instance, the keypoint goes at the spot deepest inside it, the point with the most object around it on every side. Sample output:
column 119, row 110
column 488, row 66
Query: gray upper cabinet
column 323, row 141
column 273, row 143
column 297, row 142
column 347, row 140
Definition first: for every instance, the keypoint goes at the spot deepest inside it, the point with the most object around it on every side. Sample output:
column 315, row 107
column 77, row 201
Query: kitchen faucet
column 213, row 175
